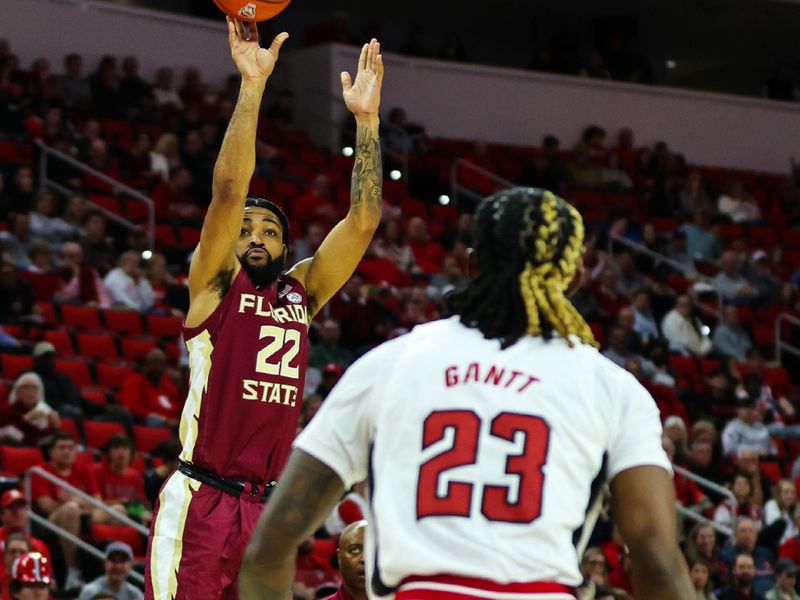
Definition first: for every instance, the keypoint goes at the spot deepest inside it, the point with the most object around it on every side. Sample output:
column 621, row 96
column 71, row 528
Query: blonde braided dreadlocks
column 528, row 243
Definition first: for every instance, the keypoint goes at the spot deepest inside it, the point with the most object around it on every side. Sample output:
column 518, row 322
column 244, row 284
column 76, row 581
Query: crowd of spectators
column 729, row 415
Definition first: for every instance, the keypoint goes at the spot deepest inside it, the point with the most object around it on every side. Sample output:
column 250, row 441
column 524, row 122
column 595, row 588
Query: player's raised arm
column 643, row 505
column 307, row 493
column 235, row 164
column 345, row 245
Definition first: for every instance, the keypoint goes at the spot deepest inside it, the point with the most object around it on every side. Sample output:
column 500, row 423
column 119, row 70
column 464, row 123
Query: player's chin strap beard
column 264, row 275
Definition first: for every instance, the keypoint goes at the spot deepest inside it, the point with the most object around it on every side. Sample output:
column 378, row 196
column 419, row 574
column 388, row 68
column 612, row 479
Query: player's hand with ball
column 363, row 96
column 254, row 62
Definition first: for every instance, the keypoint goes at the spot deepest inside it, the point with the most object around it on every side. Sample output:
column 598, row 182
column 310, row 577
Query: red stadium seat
column 119, row 533
column 124, row 321
column 100, row 346
column 98, row 395
column 147, row 438
column 86, row 318
column 76, row 370
column 18, row 460
column 189, row 236
column 135, row 348
column 48, row 312
column 165, row 235
column 5, row 387
column 71, row 427
column 97, row 433
column 160, row 326
column 14, row 364
column 791, row 238
column 62, row 340
column 9, row 152
column 110, row 375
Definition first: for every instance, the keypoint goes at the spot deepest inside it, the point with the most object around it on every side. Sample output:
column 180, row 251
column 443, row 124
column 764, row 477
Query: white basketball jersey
column 481, row 462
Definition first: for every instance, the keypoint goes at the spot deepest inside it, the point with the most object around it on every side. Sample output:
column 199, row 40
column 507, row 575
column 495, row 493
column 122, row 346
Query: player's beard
column 264, row 275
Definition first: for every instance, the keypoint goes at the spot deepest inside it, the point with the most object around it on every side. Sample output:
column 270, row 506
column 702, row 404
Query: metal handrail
column 88, row 548
column 57, row 481
column 687, row 272
column 696, row 516
column 780, row 345
column 456, row 189
column 118, row 186
column 714, row 487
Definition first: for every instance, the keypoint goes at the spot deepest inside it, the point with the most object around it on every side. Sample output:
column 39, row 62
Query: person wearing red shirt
column 60, row 506
column 120, row 486
column 317, row 204
column 171, row 198
column 428, row 255
column 14, row 518
column 351, row 563
column 151, row 394
column 377, row 270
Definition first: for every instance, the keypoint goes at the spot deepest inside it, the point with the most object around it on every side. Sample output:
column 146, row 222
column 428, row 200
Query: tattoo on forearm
column 367, row 172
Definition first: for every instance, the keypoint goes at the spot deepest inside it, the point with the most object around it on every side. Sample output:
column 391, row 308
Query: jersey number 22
column 495, row 503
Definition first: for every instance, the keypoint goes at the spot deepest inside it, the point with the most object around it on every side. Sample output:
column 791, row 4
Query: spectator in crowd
column 726, row 512
column 193, row 91
column 151, row 394
column 684, row 331
column 746, row 432
column 45, row 222
column 60, row 392
column 141, row 165
column 678, row 252
column 584, row 171
column 644, row 322
column 328, row 350
column 428, row 255
column 546, row 170
column 745, row 542
column 73, row 88
column 630, row 280
column 16, row 296
column 785, row 581
column 594, row 66
column 135, row 91
column 730, row 283
column 317, row 204
column 169, row 146
column 164, row 93
column 702, row 545
column 738, row 205
column 11, row 345
column 594, row 566
column 82, row 282
column 128, row 287
column 171, row 296
column 17, row 242
column 75, row 213
column 21, row 191
column 61, row 507
column 14, row 546
column 766, row 286
column 350, row 553
column 700, row 572
column 450, row 278
column 701, row 241
column 44, row 280
column 783, row 509
column 307, row 246
column 121, row 487
column 331, row 375
column 98, row 250
column 104, row 83
column 16, row 520
column 730, row 338
column 701, row 459
column 118, row 565
column 172, row 198
column 694, row 197
column 741, row 588
column 154, row 478
column 393, row 246
column 607, row 292
column 28, row 419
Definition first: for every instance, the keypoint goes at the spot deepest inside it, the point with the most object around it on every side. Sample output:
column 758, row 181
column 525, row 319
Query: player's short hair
column 528, row 245
column 274, row 208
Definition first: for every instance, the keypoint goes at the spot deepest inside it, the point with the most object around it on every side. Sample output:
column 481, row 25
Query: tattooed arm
column 307, row 493
column 342, row 250
column 232, row 173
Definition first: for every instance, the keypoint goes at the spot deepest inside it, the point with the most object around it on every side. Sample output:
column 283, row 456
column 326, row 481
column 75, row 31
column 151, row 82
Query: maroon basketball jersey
column 248, row 363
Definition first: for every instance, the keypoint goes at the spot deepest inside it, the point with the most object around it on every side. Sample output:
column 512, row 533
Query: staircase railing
column 457, row 188
column 780, row 345
column 60, row 531
column 709, row 485
column 47, row 153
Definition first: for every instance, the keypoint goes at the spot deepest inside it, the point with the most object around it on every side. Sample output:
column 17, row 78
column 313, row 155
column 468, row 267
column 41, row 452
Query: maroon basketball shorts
column 197, row 541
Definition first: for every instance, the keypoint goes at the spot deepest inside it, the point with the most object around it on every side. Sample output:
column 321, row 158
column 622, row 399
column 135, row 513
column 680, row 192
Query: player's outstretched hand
column 363, row 96
column 254, row 62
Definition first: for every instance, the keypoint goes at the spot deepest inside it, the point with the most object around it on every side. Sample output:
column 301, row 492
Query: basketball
column 252, row 10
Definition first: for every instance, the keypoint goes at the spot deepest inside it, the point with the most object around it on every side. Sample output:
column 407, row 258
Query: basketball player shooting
column 246, row 332
column 485, row 439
